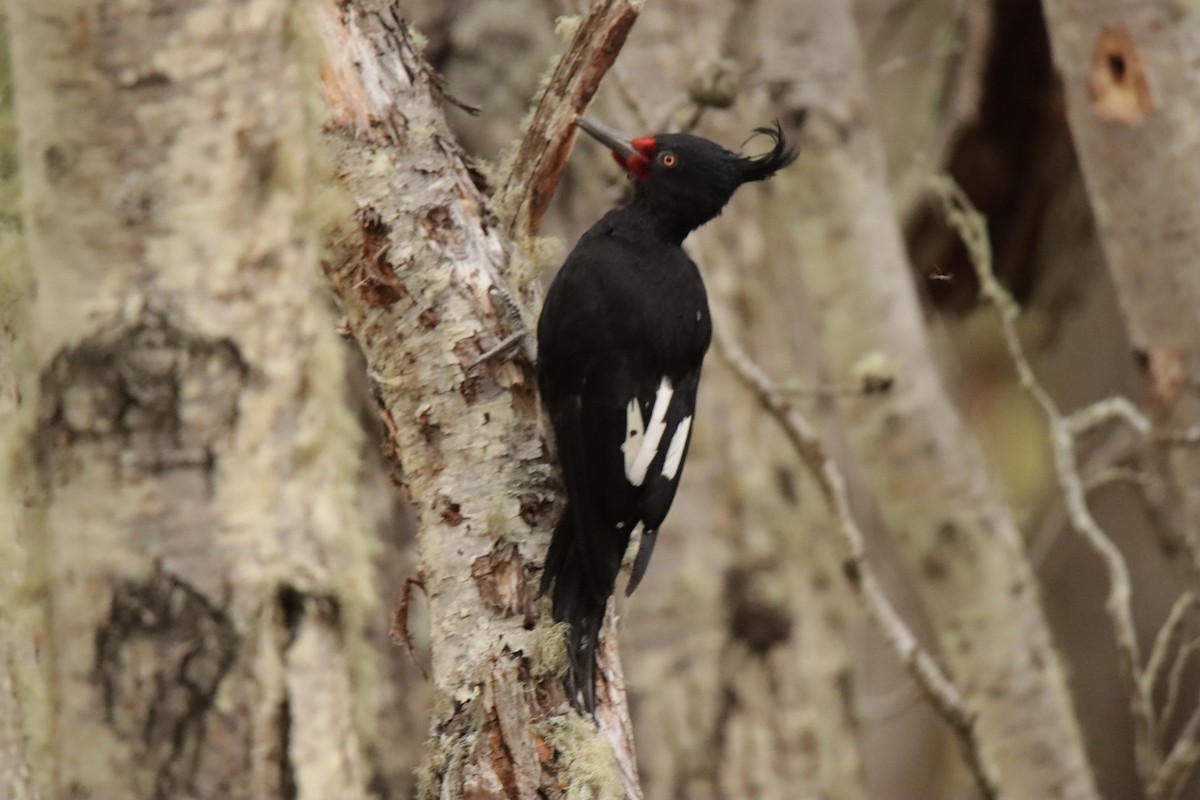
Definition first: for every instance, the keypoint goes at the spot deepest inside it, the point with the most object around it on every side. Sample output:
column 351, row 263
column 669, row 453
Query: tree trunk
column 418, row 272
column 1133, row 100
column 931, row 483
column 203, row 572
column 18, row 685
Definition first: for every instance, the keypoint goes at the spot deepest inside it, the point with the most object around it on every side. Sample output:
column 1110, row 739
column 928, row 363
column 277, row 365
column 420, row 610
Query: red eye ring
column 668, row 160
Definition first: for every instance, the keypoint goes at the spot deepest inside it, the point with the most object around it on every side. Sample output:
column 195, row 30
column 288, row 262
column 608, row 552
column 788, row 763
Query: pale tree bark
column 1133, row 100
column 928, row 477
column 202, row 573
column 431, row 286
column 18, row 684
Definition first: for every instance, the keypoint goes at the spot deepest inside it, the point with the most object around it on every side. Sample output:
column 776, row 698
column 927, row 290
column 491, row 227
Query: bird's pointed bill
column 613, row 139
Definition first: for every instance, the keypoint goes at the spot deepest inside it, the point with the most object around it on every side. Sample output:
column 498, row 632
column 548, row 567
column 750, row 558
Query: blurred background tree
column 163, row 264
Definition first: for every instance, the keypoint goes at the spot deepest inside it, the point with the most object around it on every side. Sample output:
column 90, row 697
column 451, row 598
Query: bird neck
column 665, row 220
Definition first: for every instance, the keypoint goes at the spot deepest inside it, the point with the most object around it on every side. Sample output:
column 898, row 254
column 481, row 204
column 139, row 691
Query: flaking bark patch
column 374, row 278
column 504, row 581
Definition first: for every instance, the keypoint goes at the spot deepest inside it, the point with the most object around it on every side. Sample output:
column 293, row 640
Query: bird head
column 685, row 180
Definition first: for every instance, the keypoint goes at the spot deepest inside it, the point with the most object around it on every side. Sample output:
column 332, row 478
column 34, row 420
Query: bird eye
column 668, row 159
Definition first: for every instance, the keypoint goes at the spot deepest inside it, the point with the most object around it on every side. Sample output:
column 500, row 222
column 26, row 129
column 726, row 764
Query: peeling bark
column 1133, row 100
column 418, row 275
column 202, row 572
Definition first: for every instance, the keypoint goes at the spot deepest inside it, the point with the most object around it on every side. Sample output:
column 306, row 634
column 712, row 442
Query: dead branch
column 1163, row 776
column 542, row 153
column 937, row 686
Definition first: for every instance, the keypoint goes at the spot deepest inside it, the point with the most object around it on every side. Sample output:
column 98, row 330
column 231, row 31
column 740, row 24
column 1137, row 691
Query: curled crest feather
column 782, row 153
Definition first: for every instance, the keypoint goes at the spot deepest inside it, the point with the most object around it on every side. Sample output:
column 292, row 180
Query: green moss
column 586, row 763
column 328, row 202
column 506, row 203
column 547, row 647
column 875, row 372
column 567, row 26
column 529, row 260
column 442, row 706
column 304, row 163
column 419, row 40
column 428, row 774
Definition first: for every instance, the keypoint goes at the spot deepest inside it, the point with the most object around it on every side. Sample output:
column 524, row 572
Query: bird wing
column 621, row 394
column 657, row 490
column 637, row 426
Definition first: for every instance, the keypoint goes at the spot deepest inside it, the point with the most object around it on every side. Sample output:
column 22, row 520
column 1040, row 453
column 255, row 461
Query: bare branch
column 920, row 664
column 1177, row 767
column 1175, row 683
column 1110, row 408
column 972, row 228
column 1162, row 641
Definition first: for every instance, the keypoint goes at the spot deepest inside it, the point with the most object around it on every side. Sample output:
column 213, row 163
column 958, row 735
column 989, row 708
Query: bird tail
column 579, row 585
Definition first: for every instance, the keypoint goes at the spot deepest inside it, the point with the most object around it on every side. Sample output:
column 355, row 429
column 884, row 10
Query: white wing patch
column 675, row 450
column 635, row 430
column 641, row 443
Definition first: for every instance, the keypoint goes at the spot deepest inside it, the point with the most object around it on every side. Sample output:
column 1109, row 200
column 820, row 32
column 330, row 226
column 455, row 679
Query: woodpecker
column 621, row 339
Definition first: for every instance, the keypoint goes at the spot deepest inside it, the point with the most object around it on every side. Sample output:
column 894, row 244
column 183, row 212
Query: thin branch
column 1173, row 776
column 1175, row 683
column 920, row 664
column 1187, row 436
column 542, row 154
column 972, row 229
column 1162, row 641
column 1107, row 410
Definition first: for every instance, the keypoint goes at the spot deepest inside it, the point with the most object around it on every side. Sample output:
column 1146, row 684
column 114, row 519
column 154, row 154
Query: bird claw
column 506, row 345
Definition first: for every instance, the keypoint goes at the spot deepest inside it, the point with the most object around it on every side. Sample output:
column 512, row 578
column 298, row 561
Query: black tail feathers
column 580, row 575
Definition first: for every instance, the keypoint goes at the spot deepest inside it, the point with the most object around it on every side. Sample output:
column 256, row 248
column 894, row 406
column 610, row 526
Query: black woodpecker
column 621, row 339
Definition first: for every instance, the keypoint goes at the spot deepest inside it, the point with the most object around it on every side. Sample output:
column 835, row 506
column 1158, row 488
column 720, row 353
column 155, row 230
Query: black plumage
column 621, row 339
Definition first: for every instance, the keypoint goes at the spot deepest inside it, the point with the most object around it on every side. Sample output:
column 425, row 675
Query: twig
column 1187, row 436
column 400, row 632
column 1175, row 682
column 1106, row 410
column 1167, row 633
column 972, row 229
column 920, row 664
column 542, row 154
column 1177, row 767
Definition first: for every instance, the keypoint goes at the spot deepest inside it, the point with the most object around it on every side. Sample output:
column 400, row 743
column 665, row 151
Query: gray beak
column 611, row 138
